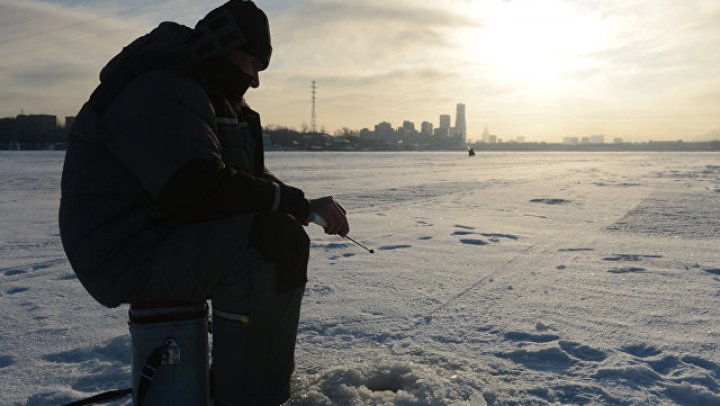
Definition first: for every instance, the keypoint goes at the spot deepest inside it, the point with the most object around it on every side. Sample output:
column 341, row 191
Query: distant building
column 426, row 128
column 520, row 140
column 617, row 140
column 442, row 132
column 35, row 124
column 69, row 122
column 384, row 130
column 585, row 140
column 571, row 140
column 409, row 128
column 492, row 139
column 597, row 139
column 460, row 125
column 32, row 128
column 7, row 126
column 486, row 136
column 366, row 133
column 444, row 121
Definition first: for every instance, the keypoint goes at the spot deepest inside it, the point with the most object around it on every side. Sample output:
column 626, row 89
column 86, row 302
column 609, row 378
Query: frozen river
column 507, row 278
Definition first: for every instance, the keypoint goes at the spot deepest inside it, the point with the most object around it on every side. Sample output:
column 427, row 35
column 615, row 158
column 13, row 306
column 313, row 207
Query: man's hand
column 333, row 213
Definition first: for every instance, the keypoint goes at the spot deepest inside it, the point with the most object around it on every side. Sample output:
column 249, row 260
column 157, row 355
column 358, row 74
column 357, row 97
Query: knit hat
column 237, row 24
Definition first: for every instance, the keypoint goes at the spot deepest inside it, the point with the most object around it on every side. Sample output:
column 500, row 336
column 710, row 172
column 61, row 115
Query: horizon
column 542, row 70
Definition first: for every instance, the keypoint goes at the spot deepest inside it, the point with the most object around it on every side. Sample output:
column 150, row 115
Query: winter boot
column 169, row 354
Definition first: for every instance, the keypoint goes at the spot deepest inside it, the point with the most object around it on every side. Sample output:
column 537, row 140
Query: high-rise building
column 426, row 128
column 409, row 128
column 442, row 132
column 486, row 136
column 444, row 121
column 384, row 130
column 460, row 126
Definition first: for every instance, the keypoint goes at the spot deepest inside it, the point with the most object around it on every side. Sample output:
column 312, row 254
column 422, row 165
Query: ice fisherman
column 166, row 197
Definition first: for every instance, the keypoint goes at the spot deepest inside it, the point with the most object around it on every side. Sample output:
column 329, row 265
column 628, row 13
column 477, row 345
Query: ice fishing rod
column 317, row 219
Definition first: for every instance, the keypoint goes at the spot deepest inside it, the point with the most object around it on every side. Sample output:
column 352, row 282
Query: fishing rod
column 317, row 219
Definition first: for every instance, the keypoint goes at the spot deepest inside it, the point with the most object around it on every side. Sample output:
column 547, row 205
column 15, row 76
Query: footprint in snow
column 575, row 249
column 490, row 235
column 473, row 241
column 330, row 246
column 13, row 291
column 629, row 257
column 582, row 351
column 464, row 233
column 702, row 363
column 630, row 269
column 637, row 375
column 32, row 267
column 425, row 237
column 6, row 361
column 393, row 247
column 464, row 227
column 550, row 201
column 665, row 364
column 640, row 350
column 530, row 337
column 714, row 271
column 543, row 359
column 117, row 349
column 496, row 236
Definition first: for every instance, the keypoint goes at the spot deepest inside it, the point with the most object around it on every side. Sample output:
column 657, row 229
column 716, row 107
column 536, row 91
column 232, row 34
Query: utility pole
column 313, row 122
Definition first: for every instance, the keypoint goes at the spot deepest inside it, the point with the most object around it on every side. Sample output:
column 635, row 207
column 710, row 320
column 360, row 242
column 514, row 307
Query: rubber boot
column 177, row 338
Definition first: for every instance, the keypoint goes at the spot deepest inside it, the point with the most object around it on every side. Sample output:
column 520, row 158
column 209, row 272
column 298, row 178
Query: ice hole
column 393, row 379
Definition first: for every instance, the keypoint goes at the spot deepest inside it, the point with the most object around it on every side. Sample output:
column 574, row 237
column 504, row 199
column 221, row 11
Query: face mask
column 227, row 77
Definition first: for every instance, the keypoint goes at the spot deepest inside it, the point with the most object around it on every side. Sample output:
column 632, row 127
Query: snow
column 506, row 278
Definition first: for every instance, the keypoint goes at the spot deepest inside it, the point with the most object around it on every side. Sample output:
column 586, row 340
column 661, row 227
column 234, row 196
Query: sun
column 533, row 43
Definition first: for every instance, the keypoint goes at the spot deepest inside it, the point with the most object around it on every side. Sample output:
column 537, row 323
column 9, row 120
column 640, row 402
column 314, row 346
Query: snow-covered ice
column 507, row 278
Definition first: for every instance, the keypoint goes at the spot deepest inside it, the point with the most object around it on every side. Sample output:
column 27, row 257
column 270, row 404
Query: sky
column 540, row 69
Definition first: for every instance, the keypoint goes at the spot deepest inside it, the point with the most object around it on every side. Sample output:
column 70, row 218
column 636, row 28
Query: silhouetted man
column 166, row 198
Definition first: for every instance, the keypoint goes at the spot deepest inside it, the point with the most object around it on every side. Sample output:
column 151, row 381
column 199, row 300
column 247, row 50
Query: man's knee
column 279, row 235
column 282, row 241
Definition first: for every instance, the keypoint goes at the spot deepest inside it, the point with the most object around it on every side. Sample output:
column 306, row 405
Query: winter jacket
column 161, row 142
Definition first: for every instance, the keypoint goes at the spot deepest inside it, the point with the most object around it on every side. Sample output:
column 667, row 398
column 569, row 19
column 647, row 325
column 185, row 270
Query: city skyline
column 542, row 70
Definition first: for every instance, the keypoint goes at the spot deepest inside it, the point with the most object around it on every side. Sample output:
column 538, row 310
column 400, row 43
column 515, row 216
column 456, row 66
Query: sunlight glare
column 535, row 44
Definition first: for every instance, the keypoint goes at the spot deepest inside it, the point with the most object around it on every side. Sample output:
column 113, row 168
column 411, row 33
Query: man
column 166, row 198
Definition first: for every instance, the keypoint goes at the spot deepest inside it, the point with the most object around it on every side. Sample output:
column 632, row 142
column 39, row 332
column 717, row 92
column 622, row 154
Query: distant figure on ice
column 471, row 152
column 166, row 197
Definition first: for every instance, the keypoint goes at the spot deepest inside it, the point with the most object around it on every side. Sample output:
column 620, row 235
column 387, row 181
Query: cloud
column 373, row 33
column 393, row 60
column 52, row 54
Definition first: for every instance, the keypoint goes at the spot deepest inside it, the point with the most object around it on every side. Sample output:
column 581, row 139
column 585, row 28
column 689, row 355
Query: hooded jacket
column 162, row 141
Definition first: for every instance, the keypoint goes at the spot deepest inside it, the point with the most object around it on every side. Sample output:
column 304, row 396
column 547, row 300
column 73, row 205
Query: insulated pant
column 254, row 331
column 253, row 268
